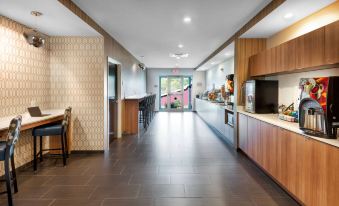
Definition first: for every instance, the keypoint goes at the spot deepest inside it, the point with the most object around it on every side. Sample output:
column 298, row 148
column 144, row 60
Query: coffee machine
column 319, row 106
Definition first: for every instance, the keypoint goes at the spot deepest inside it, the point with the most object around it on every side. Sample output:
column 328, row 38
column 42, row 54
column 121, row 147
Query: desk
column 131, row 113
column 29, row 122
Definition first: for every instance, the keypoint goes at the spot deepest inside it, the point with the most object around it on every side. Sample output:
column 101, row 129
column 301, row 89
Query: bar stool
column 7, row 154
column 141, row 111
column 153, row 105
column 52, row 130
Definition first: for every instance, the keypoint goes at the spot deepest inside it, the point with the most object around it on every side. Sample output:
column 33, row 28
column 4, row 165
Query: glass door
column 175, row 93
column 175, row 97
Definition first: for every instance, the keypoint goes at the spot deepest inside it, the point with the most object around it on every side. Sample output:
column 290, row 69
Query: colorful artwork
column 315, row 88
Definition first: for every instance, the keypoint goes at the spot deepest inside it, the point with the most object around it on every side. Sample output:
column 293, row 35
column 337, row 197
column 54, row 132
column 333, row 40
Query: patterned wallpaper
column 77, row 79
column 67, row 71
column 24, row 79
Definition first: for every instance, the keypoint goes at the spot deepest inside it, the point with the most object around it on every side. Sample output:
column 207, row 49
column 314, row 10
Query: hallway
column 179, row 161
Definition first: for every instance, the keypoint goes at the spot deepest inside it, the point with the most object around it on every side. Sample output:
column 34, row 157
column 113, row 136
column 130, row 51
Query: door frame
column 190, row 106
column 106, row 101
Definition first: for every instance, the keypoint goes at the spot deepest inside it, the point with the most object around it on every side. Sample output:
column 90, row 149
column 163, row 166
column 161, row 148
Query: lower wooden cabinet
column 307, row 168
column 269, row 142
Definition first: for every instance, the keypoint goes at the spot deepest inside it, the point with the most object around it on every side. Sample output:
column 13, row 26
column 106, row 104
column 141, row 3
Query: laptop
column 35, row 112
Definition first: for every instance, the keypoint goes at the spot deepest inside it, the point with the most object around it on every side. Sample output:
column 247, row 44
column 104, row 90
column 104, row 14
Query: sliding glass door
column 175, row 93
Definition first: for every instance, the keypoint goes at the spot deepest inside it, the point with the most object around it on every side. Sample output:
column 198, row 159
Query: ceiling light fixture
column 181, row 46
column 179, row 55
column 213, row 63
column 32, row 36
column 187, row 19
column 228, row 54
column 288, row 15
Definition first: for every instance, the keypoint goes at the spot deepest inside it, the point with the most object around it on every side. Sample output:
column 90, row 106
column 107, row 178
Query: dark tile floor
column 179, row 161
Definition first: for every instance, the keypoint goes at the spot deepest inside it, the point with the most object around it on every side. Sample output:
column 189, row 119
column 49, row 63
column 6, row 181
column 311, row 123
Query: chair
column 142, row 108
column 153, row 105
column 7, row 155
column 59, row 129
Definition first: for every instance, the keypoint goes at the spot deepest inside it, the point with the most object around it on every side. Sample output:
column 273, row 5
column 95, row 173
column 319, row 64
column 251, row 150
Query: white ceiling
column 154, row 28
column 222, row 56
column 56, row 20
column 275, row 21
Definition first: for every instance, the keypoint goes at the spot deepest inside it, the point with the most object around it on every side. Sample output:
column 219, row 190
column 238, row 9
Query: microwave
column 261, row 96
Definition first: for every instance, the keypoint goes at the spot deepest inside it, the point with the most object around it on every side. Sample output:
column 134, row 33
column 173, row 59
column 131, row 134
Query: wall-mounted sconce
column 222, row 69
column 142, row 66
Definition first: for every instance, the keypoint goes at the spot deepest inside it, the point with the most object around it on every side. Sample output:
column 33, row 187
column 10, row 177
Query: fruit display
column 212, row 96
column 230, row 84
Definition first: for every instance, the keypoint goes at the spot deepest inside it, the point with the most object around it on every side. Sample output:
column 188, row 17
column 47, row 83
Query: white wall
column 153, row 77
column 133, row 80
column 215, row 76
column 289, row 83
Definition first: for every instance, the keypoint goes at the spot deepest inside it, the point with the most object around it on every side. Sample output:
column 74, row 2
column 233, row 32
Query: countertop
column 27, row 119
column 291, row 126
column 220, row 104
column 137, row 97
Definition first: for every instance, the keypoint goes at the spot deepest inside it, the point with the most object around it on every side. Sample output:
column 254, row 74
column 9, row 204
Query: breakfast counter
column 215, row 115
column 290, row 126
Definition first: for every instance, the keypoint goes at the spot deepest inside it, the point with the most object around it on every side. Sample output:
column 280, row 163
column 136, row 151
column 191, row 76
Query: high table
column 28, row 122
column 131, row 113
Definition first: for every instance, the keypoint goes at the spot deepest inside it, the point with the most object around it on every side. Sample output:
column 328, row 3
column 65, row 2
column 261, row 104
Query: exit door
column 176, row 92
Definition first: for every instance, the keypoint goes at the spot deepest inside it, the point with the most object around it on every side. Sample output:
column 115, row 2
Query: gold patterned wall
column 24, row 79
column 77, row 79
column 68, row 71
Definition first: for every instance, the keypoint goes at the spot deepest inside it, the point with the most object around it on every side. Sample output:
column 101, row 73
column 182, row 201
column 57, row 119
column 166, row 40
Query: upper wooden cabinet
column 286, row 56
column 310, row 49
column 332, row 43
column 258, row 64
column 317, row 48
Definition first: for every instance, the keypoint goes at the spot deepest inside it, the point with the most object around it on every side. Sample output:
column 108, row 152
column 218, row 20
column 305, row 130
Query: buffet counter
column 290, row 126
column 214, row 114
column 305, row 166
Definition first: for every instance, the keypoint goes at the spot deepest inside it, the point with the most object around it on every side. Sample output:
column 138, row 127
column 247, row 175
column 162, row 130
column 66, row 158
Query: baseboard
column 87, row 151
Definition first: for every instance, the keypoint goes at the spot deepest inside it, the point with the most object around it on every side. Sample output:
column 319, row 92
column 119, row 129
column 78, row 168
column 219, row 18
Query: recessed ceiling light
column 213, row 63
column 228, row 54
column 181, row 46
column 288, row 15
column 187, row 19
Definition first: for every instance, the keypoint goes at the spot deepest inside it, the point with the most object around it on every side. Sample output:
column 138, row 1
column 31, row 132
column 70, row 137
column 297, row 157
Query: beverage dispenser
column 318, row 109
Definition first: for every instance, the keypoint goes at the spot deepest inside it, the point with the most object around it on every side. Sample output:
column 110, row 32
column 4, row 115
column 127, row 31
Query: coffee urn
column 319, row 106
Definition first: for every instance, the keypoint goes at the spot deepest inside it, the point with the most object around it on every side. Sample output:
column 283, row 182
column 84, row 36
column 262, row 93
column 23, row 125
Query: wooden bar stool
column 7, row 155
column 52, row 130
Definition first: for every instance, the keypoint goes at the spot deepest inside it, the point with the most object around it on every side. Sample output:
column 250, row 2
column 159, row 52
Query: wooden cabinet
column 332, row 43
column 310, row 49
column 253, row 139
column 307, row 168
column 242, row 125
column 286, row 57
column 270, row 61
column 257, row 64
column 269, row 137
column 287, row 159
column 314, row 49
